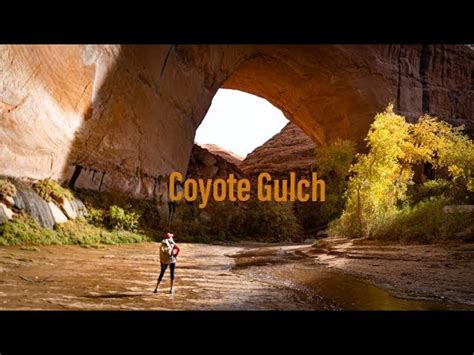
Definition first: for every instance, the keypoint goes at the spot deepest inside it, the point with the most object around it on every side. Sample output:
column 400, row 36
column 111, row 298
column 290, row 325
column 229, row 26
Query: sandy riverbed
column 243, row 277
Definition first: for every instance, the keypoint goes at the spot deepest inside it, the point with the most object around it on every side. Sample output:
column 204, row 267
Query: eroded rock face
column 290, row 150
column 128, row 114
column 205, row 164
column 223, row 153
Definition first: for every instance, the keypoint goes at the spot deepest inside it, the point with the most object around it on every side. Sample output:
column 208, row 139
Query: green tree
column 333, row 164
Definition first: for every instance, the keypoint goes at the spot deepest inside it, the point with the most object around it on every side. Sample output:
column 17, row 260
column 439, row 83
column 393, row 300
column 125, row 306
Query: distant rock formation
column 289, row 150
column 223, row 153
column 209, row 165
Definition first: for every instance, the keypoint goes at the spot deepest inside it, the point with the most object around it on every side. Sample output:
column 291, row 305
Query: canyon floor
column 339, row 275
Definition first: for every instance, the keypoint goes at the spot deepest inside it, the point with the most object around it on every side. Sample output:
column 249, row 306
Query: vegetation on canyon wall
column 50, row 190
column 219, row 221
column 7, row 189
column 229, row 221
column 110, row 226
column 383, row 200
column 24, row 230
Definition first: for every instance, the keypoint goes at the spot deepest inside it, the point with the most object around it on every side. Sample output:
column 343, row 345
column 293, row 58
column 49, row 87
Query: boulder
column 68, row 209
column 322, row 234
column 6, row 213
column 58, row 216
column 9, row 201
column 78, row 207
column 26, row 199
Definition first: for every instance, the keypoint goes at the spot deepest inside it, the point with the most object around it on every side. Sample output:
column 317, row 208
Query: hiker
column 169, row 251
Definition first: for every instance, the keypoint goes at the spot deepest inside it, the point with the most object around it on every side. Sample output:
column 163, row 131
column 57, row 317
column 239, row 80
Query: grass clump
column 7, row 189
column 49, row 189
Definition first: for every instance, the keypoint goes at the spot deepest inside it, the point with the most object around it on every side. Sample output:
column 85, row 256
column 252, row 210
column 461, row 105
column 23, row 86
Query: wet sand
column 442, row 272
column 123, row 277
column 209, row 277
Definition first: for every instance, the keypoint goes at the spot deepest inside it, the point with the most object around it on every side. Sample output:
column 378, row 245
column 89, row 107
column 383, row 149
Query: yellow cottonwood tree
column 380, row 178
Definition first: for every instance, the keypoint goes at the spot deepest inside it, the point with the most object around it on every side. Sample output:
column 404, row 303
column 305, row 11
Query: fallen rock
column 322, row 234
column 78, row 207
column 67, row 209
column 9, row 201
column 6, row 213
column 58, row 215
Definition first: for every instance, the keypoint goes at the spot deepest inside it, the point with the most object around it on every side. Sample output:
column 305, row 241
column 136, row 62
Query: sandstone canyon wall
column 123, row 116
column 290, row 150
column 229, row 156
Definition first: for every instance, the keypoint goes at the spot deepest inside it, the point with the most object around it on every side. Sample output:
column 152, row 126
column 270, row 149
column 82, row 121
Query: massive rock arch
column 127, row 114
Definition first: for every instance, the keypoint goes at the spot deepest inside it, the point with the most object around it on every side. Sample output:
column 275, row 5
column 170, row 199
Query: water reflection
column 323, row 289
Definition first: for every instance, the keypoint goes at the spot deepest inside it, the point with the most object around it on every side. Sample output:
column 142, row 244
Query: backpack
column 166, row 250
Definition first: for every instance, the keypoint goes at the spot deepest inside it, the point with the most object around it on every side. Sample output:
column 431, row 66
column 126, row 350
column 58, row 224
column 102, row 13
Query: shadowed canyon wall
column 123, row 117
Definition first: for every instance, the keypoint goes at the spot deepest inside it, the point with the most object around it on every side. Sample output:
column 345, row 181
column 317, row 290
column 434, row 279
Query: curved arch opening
column 239, row 122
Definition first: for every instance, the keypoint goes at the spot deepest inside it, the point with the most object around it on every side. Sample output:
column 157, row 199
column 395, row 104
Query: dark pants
column 163, row 269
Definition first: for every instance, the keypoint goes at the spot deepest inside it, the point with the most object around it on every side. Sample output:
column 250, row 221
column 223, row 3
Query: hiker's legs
column 172, row 266
column 162, row 272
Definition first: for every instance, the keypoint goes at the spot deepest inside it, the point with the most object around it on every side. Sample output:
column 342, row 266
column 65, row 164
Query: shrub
column 425, row 222
column 333, row 164
column 271, row 221
column 118, row 218
column 99, row 203
column 192, row 231
column 226, row 219
column 49, row 189
column 95, row 217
